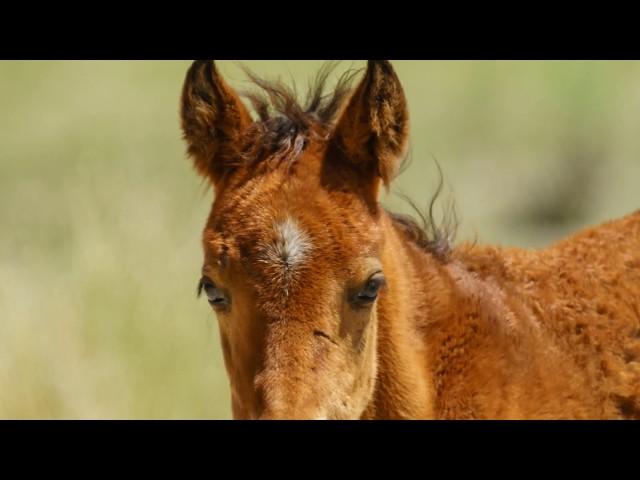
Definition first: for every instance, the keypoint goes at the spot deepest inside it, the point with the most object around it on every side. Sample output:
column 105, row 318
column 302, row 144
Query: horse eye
column 215, row 296
column 369, row 291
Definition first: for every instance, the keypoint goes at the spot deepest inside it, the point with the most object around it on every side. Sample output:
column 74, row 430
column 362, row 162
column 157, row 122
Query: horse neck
column 403, row 385
column 433, row 320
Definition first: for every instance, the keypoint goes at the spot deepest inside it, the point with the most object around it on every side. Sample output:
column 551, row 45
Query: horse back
column 584, row 293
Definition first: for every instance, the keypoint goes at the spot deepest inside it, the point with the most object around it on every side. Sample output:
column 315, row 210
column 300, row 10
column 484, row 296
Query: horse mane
column 433, row 236
column 285, row 126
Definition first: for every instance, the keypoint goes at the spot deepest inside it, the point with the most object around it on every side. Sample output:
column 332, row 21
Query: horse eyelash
column 200, row 287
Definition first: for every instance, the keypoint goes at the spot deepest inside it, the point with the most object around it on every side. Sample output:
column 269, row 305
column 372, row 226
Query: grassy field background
column 101, row 213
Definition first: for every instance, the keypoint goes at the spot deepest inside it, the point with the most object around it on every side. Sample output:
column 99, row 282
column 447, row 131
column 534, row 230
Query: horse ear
column 373, row 130
column 213, row 120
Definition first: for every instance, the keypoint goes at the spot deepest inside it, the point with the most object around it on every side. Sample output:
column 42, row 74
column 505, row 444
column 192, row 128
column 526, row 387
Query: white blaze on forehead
column 291, row 244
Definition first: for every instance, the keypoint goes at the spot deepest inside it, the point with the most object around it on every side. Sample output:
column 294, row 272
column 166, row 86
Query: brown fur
column 466, row 332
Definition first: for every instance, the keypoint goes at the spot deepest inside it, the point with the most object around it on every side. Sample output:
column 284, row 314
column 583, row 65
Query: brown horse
column 331, row 307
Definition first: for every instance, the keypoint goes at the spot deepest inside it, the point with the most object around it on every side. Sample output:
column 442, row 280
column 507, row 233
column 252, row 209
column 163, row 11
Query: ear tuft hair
column 373, row 130
column 213, row 120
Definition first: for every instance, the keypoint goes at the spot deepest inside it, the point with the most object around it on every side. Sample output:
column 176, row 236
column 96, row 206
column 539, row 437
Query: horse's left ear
column 373, row 130
column 213, row 120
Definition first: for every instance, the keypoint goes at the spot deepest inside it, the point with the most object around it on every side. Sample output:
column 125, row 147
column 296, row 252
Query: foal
column 331, row 307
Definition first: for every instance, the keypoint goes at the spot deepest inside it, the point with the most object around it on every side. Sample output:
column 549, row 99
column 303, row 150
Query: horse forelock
column 286, row 125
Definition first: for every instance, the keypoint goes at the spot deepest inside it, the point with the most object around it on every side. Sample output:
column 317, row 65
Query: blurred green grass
column 101, row 214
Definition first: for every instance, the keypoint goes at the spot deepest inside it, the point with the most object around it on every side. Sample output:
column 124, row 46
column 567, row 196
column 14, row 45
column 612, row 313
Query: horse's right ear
column 213, row 120
column 373, row 130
